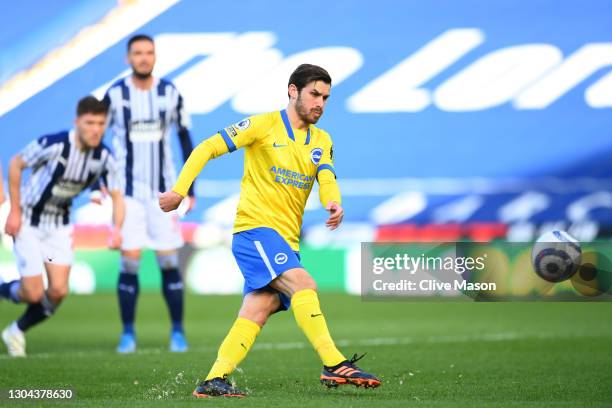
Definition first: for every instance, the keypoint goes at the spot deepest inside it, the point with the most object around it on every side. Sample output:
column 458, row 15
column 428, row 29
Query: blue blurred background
column 450, row 119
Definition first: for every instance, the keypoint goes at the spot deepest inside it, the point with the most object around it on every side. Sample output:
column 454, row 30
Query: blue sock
column 8, row 290
column 172, row 287
column 35, row 313
column 127, row 291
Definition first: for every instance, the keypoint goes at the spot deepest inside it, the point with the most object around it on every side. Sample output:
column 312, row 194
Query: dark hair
column 306, row 73
column 91, row 104
column 139, row 37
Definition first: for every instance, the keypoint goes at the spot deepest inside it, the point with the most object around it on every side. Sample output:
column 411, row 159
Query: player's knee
column 306, row 282
column 57, row 293
column 293, row 281
column 168, row 260
column 31, row 294
column 135, row 254
column 311, row 284
column 258, row 308
column 271, row 307
column 260, row 317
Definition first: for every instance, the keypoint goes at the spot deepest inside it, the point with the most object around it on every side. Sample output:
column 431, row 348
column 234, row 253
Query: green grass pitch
column 429, row 354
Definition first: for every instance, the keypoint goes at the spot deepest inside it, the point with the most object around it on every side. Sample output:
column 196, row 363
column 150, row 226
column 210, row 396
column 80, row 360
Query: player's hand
column 336, row 214
column 98, row 196
column 114, row 239
column 169, row 201
column 13, row 222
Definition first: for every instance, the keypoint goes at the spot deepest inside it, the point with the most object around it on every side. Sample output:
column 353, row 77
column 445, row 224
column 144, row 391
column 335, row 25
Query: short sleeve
column 39, row 151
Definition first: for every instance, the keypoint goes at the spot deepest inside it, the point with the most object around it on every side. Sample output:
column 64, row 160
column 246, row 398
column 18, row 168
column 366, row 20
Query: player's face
column 311, row 101
column 90, row 128
column 141, row 57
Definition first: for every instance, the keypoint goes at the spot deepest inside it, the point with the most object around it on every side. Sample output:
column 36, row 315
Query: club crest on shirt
column 146, row 131
column 95, row 166
column 243, row 124
column 315, row 155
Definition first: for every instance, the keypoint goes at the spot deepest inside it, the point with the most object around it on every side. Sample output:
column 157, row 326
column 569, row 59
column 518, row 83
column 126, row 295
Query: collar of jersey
column 128, row 81
column 290, row 130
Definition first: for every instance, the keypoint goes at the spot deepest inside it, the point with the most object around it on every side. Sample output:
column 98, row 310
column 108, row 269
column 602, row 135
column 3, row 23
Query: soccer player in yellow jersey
column 285, row 155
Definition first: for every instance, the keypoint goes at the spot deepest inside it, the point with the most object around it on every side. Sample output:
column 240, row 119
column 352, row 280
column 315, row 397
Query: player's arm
column 35, row 154
column 209, row 149
column 329, row 192
column 226, row 140
column 13, row 221
column 118, row 217
column 110, row 181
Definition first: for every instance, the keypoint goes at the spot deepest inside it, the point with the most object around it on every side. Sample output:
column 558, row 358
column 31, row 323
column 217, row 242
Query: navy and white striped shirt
column 140, row 121
column 60, row 171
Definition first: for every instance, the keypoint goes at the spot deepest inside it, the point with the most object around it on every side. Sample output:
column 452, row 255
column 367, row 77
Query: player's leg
column 256, row 253
column 10, row 290
column 134, row 236
column 17, row 291
column 58, row 284
column 165, row 234
column 56, row 246
column 297, row 284
column 42, row 304
column 173, row 292
column 30, row 288
column 128, row 289
column 56, row 249
column 29, row 259
column 257, row 306
column 51, row 298
column 31, row 291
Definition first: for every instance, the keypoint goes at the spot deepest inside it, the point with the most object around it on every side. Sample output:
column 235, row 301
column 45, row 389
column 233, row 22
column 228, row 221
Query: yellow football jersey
column 281, row 165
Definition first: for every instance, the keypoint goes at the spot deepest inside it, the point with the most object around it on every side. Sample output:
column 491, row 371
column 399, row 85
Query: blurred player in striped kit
column 142, row 111
column 63, row 165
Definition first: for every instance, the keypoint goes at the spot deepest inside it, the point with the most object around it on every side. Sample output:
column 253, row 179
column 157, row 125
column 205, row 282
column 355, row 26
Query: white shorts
column 35, row 246
column 147, row 226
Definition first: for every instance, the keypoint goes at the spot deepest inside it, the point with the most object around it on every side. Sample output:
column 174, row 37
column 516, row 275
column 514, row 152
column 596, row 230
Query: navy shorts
column 262, row 255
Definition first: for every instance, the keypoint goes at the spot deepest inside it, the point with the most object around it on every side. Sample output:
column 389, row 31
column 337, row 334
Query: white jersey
column 140, row 122
column 60, row 171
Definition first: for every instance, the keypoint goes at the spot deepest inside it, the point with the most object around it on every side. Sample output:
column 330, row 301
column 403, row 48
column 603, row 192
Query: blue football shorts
column 262, row 255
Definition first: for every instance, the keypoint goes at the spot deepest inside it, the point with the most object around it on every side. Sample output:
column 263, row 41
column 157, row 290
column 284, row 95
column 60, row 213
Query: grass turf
column 434, row 354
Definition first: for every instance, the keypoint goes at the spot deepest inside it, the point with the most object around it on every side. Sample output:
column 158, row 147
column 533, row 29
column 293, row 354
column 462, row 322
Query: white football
column 556, row 256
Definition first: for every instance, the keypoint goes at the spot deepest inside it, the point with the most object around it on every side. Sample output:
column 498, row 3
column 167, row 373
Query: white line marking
column 86, row 45
column 265, row 259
